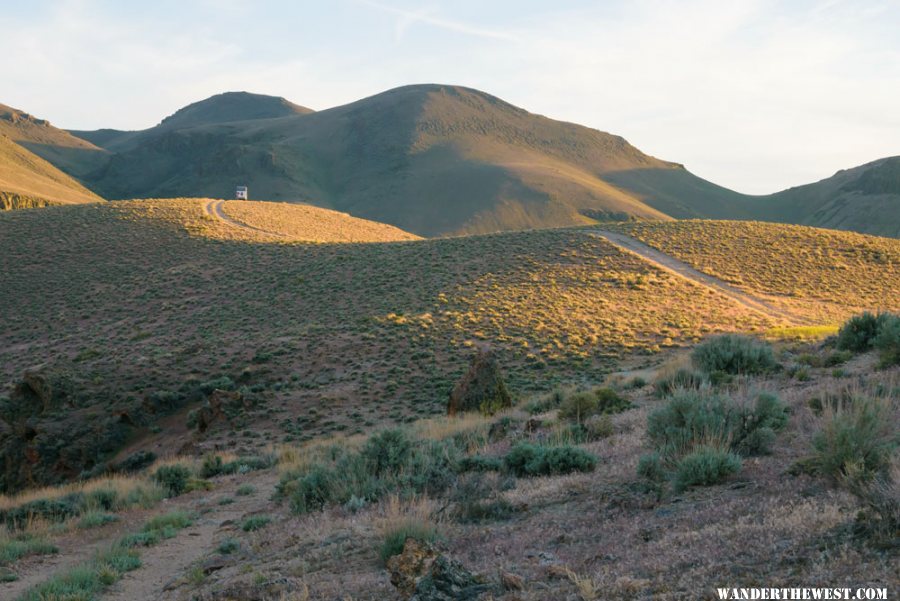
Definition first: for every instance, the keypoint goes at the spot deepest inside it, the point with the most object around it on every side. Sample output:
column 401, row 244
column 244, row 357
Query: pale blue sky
column 756, row 95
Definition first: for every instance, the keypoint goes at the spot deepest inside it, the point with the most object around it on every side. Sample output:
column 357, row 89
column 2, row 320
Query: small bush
column 667, row 384
column 887, row 342
column 387, row 452
column 13, row 549
column 174, row 478
column 705, row 466
column 395, row 538
column 650, row 468
column 860, row 437
column 479, row 463
column 858, row 333
column 228, row 546
column 691, row 418
column 137, row 461
column 174, row 519
column 310, row 492
column 245, row 490
column 580, row 406
column 255, row 522
column 526, row 459
column 93, row 519
column 734, row 354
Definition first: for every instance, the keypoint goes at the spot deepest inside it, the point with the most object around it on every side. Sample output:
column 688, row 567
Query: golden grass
column 307, row 223
column 123, row 485
column 801, row 332
column 825, row 274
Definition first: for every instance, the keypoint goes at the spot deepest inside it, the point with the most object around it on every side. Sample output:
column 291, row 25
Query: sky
column 755, row 95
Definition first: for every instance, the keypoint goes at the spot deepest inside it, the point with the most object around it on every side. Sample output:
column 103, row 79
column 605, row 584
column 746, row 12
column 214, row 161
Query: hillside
column 375, row 332
column 430, row 159
column 820, row 272
column 73, row 155
column 863, row 199
column 27, row 180
column 258, row 374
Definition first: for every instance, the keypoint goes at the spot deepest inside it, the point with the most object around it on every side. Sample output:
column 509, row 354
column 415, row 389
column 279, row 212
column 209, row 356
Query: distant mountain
column 430, row 159
column 26, row 180
column 864, row 199
column 434, row 160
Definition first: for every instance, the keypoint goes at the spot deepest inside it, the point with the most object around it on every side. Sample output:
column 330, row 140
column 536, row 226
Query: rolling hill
column 863, row 199
column 69, row 153
column 26, row 180
column 433, row 160
column 430, row 159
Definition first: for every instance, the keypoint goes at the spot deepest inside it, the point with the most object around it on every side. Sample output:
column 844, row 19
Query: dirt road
column 680, row 268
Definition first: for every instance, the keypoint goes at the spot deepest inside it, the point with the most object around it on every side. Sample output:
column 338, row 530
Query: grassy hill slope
column 27, row 180
column 820, row 272
column 864, row 199
column 430, row 159
column 71, row 154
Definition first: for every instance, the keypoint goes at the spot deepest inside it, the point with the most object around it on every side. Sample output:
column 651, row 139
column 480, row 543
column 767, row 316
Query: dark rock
column 481, row 388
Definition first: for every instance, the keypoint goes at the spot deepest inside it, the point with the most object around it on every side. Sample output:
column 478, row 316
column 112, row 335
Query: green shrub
column 858, row 333
column 396, row 537
column 387, row 452
column 93, row 519
column 255, row 522
column 580, row 406
column 887, row 342
column 311, row 491
column 174, row 519
column 13, row 549
column 245, row 490
column 480, row 463
column 734, row 354
column 691, row 418
column 705, row 466
column 174, row 478
column 526, row 459
column 229, row 546
column 858, row 437
column 650, row 468
column 214, row 466
column 667, row 384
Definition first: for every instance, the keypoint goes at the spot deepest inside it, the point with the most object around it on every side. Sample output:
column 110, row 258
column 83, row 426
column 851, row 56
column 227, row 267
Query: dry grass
column 826, row 274
column 123, row 485
column 312, row 224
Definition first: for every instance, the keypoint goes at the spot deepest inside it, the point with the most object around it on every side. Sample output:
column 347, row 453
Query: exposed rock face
column 220, row 405
column 481, row 388
column 420, row 573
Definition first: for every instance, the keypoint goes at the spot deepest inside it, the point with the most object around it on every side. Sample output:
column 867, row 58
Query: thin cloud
column 408, row 18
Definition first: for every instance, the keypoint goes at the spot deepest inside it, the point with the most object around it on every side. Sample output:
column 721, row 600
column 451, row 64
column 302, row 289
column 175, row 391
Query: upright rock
column 481, row 388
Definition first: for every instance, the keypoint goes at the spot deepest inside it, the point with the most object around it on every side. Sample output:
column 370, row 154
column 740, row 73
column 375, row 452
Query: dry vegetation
column 312, row 224
column 824, row 273
column 149, row 307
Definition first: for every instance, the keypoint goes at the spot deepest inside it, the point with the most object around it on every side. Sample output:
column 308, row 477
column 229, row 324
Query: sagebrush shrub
column 691, row 418
column 526, row 459
column 705, row 466
column 681, row 379
column 387, row 451
column 887, row 341
column 734, row 354
column 859, row 437
column 174, row 478
column 859, row 332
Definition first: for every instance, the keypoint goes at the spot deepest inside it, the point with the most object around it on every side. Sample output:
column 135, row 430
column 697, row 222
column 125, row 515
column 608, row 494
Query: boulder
column 481, row 388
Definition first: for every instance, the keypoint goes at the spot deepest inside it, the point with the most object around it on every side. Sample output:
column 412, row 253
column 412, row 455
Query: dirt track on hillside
column 680, row 268
column 216, row 209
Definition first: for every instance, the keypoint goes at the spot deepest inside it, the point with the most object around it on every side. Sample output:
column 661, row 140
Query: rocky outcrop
column 420, row 573
column 481, row 388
